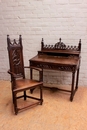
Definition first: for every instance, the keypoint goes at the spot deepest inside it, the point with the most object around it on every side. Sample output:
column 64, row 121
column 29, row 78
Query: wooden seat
column 17, row 71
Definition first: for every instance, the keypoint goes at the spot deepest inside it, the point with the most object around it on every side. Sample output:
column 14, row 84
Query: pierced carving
column 54, row 67
column 15, row 57
column 60, row 46
column 16, row 61
column 15, row 42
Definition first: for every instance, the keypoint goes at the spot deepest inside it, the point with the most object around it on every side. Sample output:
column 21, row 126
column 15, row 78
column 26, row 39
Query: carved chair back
column 15, row 51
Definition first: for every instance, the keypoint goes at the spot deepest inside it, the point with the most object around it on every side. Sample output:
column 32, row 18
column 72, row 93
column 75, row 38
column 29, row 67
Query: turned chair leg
column 15, row 103
column 41, row 95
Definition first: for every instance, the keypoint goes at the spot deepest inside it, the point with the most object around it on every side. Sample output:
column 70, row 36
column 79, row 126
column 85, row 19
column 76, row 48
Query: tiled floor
column 56, row 113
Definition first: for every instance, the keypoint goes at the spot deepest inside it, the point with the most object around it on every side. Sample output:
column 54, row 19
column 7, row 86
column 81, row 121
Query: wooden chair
column 18, row 81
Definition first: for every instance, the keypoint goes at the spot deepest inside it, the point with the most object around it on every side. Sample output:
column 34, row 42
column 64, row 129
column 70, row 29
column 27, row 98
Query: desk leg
column 31, row 90
column 30, row 73
column 77, row 78
column 41, row 76
column 72, row 89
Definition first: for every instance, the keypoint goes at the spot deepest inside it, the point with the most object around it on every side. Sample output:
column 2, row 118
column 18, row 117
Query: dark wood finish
column 18, row 81
column 59, row 57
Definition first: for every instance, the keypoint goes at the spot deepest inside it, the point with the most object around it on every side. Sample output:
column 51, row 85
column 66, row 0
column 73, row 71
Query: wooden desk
column 59, row 57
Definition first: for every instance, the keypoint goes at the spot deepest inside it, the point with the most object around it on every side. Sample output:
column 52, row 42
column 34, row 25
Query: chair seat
column 23, row 84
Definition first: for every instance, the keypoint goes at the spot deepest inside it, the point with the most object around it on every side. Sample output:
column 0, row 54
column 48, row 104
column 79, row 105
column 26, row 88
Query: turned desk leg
column 72, row 88
column 30, row 73
column 41, row 75
column 31, row 90
column 77, row 79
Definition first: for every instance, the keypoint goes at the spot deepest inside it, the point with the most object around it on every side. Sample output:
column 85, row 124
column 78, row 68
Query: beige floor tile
column 56, row 113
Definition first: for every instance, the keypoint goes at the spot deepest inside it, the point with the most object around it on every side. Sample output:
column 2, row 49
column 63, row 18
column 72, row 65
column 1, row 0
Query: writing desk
column 59, row 57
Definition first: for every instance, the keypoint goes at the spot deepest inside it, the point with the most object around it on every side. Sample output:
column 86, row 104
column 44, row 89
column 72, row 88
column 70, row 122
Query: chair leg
column 24, row 95
column 41, row 95
column 13, row 97
column 31, row 90
column 15, row 103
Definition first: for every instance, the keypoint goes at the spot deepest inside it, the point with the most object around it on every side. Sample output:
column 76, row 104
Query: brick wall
column 50, row 19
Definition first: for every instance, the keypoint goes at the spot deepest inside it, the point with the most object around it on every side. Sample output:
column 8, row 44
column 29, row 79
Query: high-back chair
column 18, row 81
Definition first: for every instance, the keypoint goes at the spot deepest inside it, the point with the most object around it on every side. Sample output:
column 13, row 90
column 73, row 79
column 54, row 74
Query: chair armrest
column 13, row 74
column 39, row 69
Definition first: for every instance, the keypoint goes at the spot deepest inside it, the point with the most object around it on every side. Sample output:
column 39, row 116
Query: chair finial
column 19, row 36
column 80, row 41
column 7, row 36
column 42, row 39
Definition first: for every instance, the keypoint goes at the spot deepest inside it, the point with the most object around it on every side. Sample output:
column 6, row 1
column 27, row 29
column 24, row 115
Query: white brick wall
column 50, row 19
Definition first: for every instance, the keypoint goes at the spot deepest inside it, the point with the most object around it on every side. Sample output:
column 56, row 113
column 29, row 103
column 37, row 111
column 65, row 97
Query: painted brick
column 48, row 19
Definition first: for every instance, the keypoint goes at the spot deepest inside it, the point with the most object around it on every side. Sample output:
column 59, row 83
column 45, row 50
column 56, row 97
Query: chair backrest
column 15, row 52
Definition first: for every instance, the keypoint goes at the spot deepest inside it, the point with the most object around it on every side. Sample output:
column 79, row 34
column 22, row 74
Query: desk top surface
column 56, row 59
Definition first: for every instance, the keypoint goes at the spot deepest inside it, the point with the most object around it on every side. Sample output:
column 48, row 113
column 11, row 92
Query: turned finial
column 42, row 43
column 7, row 36
column 80, row 45
column 60, row 40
